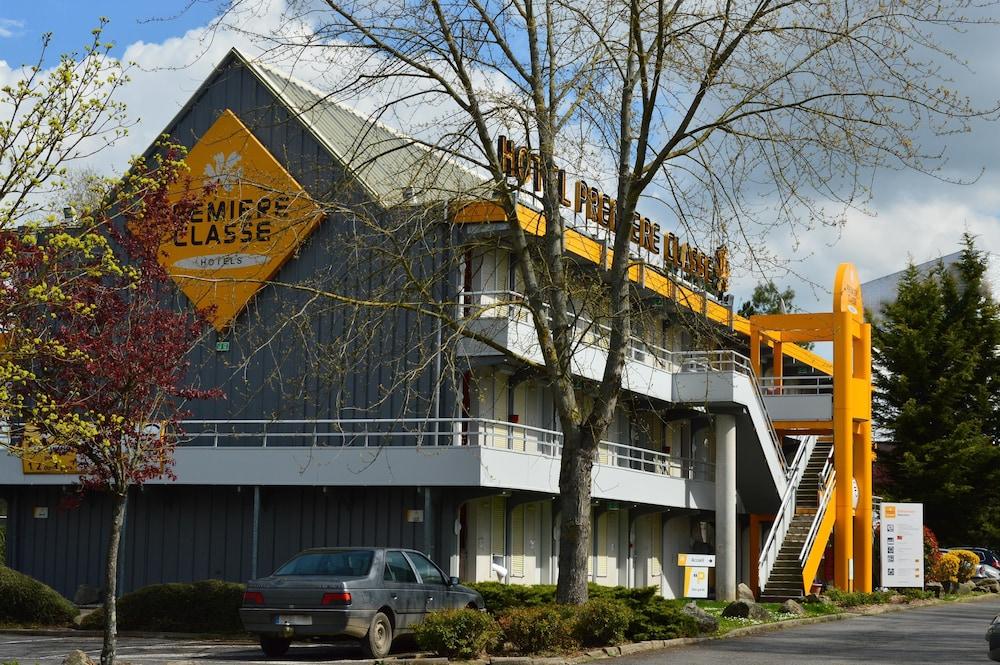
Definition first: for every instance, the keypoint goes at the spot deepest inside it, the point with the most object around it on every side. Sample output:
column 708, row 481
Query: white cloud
column 915, row 215
column 10, row 27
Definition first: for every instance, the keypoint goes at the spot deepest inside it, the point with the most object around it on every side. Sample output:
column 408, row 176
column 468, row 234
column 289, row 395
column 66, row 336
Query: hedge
column 463, row 633
column 26, row 601
column 539, row 629
column 653, row 617
column 602, row 622
column 208, row 606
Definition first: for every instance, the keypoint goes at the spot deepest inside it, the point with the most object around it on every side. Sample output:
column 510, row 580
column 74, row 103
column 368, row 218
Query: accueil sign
column 520, row 163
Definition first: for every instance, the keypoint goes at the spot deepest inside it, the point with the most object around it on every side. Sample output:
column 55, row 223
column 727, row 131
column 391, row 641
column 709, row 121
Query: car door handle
column 395, row 596
column 430, row 599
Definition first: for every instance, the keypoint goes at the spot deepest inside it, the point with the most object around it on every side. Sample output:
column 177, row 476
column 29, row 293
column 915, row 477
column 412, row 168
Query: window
column 397, row 565
column 429, row 573
column 351, row 563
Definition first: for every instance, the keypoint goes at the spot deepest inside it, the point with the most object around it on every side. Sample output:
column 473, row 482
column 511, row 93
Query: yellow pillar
column 755, row 348
column 779, row 366
column 843, row 444
column 863, row 560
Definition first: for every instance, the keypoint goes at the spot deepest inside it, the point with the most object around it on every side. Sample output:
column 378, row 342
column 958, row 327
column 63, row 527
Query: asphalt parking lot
column 45, row 650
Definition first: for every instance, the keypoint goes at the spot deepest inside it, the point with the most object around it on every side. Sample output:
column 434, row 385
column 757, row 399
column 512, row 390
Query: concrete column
column 725, row 507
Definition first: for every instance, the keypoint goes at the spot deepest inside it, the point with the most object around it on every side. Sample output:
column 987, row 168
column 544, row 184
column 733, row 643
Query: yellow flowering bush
column 945, row 569
column 967, row 563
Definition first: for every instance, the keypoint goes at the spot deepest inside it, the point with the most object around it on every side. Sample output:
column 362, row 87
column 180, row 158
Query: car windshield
column 353, row 563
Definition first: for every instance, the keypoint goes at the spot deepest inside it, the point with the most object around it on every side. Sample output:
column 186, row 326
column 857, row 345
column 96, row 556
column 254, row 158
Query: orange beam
column 818, row 427
column 533, row 223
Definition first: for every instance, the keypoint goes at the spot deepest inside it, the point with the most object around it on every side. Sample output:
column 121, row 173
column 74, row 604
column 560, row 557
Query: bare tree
column 736, row 118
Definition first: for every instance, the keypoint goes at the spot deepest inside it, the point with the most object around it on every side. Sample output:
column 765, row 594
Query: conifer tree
column 936, row 382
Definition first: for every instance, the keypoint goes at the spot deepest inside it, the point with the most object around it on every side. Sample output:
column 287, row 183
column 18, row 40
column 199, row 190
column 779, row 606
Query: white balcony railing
column 796, row 385
column 511, row 305
column 427, row 432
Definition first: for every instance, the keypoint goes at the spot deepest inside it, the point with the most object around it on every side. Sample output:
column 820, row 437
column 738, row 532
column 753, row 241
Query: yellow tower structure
column 850, row 426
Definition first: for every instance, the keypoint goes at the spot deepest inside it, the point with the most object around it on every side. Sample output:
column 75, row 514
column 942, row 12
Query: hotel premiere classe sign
column 520, row 163
column 251, row 217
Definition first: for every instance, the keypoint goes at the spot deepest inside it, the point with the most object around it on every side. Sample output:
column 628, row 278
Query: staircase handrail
column 828, row 479
column 786, row 512
column 770, row 424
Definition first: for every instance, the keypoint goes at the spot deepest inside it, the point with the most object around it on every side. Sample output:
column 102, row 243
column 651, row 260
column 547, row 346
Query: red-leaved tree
column 104, row 384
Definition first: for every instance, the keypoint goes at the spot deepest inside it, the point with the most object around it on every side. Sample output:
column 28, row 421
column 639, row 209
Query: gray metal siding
column 284, row 377
column 184, row 534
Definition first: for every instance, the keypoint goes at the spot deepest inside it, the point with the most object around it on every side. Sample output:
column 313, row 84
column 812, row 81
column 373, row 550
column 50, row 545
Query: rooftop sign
column 666, row 249
column 245, row 228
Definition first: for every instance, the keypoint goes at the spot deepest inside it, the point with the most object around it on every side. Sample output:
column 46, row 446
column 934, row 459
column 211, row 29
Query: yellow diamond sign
column 250, row 221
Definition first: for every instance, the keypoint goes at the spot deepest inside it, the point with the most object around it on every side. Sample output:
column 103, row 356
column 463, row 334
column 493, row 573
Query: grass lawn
column 715, row 607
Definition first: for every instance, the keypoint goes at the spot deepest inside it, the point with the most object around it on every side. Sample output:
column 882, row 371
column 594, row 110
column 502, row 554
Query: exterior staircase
column 785, row 579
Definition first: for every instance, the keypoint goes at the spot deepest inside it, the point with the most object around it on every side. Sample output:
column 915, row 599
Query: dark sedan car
column 372, row 594
column 993, row 637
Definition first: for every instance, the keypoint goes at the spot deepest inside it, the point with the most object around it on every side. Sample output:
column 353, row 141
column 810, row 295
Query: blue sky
column 911, row 214
column 22, row 22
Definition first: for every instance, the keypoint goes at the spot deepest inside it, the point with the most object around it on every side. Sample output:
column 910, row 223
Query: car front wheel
column 378, row 641
column 274, row 646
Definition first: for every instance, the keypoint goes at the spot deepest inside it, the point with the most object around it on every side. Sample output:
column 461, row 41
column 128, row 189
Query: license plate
column 293, row 620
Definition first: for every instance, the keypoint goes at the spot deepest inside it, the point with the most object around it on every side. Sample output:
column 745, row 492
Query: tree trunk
column 574, row 532
column 111, row 581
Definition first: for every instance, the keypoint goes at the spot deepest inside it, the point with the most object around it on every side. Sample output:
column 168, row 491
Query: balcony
column 502, row 317
column 446, row 452
column 798, row 398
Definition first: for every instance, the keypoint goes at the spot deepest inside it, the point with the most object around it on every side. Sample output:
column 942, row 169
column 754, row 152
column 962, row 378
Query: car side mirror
column 454, row 581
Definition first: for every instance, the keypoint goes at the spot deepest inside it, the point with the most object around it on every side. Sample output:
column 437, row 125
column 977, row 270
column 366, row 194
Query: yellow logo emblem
column 244, row 230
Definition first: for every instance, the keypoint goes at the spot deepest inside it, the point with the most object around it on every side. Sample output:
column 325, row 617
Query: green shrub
column 661, row 619
column 25, row 600
column 3, row 545
column 542, row 629
column 208, row 606
column 602, row 622
column 916, row 594
column 856, row 598
column 502, row 597
column 464, row 633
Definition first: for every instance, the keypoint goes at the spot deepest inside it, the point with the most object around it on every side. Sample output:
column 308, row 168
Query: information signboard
column 696, row 573
column 902, row 544
column 696, row 582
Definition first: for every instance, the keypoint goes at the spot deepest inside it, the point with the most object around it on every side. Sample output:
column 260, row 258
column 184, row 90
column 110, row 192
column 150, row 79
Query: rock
column 87, row 595
column 77, row 658
column 817, row 598
column 791, row 607
column 989, row 585
column 743, row 592
column 936, row 587
column 743, row 609
column 706, row 622
column 966, row 587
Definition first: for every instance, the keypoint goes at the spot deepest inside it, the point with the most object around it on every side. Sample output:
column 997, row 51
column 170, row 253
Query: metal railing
column 680, row 362
column 511, row 305
column 731, row 361
column 427, row 432
column 828, row 481
column 796, row 385
column 783, row 520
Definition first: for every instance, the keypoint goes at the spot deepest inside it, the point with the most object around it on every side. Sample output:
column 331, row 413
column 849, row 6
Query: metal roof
column 394, row 168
